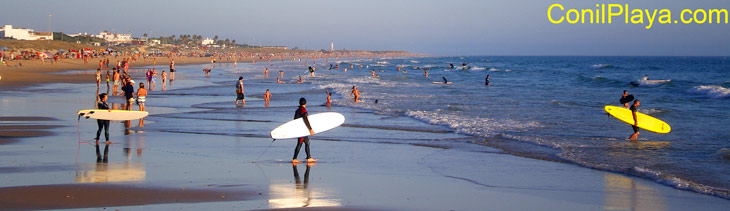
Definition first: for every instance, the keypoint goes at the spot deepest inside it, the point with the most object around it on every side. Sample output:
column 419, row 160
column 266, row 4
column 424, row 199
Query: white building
column 207, row 41
column 24, row 34
column 118, row 38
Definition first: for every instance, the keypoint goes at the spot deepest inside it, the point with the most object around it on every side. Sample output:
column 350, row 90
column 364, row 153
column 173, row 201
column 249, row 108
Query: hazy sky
column 456, row 27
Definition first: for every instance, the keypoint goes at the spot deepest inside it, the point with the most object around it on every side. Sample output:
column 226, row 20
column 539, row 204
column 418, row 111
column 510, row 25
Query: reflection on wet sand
column 283, row 195
column 103, row 171
column 624, row 193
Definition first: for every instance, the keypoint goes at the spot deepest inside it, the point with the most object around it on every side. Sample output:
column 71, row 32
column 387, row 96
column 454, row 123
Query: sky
column 440, row 28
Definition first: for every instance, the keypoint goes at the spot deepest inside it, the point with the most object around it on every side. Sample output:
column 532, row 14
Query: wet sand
column 196, row 146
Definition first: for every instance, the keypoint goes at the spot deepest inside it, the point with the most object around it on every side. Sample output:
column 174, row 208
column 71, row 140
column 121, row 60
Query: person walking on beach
column 108, row 78
column 267, row 98
column 239, row 92
column 102, row 123
column 356, row 93
column 302, row 113
column 634, row 107
column 141, row 96
column 129, row 94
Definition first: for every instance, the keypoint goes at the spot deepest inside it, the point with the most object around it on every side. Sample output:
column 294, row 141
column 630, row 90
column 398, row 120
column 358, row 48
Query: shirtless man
column 266, row 73
column 141, row 96
column 117, row 82
column 281, row 74
column 356, row 93
column 172, row 69
column 299, row 81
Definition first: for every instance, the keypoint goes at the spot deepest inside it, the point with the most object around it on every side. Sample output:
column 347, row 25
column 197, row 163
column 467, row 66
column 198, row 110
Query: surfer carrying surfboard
column 302, row 113
column 103, row 123
column 633, row 109
column 626, row 98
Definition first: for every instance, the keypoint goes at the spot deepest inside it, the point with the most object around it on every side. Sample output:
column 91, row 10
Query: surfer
column 311, row 71
column 103, row 123
column 356, row 93
column 302, row 113
column 445, row 81
column 633, row 109
column 239, row 91
column 626, row 98
column 486, row 80
column 451, row 66
column 141, row 96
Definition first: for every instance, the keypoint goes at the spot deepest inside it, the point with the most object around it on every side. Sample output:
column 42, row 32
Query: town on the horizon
column 106, row 38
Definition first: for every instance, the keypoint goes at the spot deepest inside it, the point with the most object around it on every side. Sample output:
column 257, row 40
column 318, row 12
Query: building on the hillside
column 207, row 41
column 275, row 47
column 24, row 34
column 117, row 38
column 154, row 42
column 78, row 34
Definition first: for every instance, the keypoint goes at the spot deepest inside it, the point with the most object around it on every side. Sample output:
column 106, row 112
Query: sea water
column 540, row 107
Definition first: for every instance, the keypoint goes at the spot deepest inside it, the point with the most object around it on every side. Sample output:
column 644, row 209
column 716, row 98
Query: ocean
column 548, row 108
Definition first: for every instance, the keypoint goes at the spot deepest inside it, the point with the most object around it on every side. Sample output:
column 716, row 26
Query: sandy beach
column 197, row 150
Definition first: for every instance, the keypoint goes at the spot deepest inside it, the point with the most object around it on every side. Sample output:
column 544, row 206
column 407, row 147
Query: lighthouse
column 332, row 46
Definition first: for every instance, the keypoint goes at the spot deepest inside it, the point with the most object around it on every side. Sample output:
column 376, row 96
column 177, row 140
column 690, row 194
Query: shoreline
column 439, row 172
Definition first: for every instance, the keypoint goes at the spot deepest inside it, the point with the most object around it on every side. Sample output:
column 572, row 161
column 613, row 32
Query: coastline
column 401, row 176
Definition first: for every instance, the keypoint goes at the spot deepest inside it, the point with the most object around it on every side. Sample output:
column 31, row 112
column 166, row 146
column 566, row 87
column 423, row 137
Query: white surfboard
column 296, row 128
column 114, row 115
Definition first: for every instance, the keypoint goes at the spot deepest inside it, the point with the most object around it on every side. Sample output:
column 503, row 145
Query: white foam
column 414, row 61
column 470, row 125
column 712, row 91
column 493, row 69
column 478, row 68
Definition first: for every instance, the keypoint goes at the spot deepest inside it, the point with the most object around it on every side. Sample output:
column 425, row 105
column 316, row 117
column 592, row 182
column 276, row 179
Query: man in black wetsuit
column 102, row 123
column 302, row 113
column 634, row 107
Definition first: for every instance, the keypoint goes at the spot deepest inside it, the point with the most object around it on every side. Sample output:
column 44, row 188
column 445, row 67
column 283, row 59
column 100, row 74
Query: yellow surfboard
column 646, row 122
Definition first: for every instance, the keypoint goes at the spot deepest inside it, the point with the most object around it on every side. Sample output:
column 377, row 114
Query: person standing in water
column 267, row 98
column 356, row 93
column 172, row 70
column 141, row 96
column 634, row 107
column 302, row 113
column 103, row 123
column 329, row 98
column 626, row 98
column 239, row 92
column 486, row 80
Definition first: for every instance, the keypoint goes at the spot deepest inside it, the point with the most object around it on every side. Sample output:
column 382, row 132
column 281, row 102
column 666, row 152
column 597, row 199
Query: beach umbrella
column 61, row 50
column 3, row 48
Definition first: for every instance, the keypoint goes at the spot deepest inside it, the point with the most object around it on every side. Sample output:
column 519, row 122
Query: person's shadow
column 297, row 180
column 105, row 158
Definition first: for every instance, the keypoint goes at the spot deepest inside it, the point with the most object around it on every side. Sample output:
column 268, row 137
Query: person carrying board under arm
column 302, row 113
column 634, row 107
column 103, row 123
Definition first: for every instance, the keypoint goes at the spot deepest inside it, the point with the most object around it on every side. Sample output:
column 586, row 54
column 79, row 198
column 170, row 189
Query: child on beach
column 302, row 113
column 129, row 94
column 141, row 96
column 103, row 123
column 116, row 82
